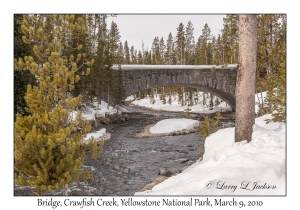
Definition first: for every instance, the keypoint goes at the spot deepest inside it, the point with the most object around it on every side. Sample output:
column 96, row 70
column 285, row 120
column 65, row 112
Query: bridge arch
column 229, row 99
column 220, row 82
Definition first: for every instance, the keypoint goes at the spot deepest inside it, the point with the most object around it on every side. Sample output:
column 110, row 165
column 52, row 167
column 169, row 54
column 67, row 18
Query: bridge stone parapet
column 220, row 82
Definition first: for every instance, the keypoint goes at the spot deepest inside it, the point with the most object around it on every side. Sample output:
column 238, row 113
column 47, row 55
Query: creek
column 128, row 163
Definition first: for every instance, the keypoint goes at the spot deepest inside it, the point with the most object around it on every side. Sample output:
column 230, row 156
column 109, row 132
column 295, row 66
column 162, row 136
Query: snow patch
column 95, row 135
column 171, row 125
column 129, row 98
column 89, row 113
column 259, row 97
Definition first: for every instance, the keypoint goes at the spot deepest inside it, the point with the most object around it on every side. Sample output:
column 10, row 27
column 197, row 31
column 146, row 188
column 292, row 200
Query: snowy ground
column 175, row 106
column 228, row 168
column 140, row 67
column 171, row 125
column 198, row 108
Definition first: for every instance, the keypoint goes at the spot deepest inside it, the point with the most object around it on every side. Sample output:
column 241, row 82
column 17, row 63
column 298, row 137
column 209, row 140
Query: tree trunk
column 182, row 96
column 108, row 97
column 259, row 104
column 269, row 68
column 205, row 57
column 262, row 99
column 65, row 190
column 99, row 101
column 245, row 84
column 181, row 56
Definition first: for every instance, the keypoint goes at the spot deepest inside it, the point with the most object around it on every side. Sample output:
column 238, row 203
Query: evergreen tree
column 147, row 57
column 108, row 79
column 95, row 23
column 133, row 55
column 24, row 77
column 127, row 53
column 156, row 56
column 114, row 41
column 121, row 58
column 83, row 87
column 180, row 45
column 119, row 89
column 230, row 39
column 276, row 94
column 47, row 144
column 102, row 58
column 219, row 51
column 150, row 58
column 140, row 58
column 209, row 53
column 217, row 101
column 173, row 55
column 199, row 59
column 190, row 44
column 271, row 63
column 161, row 50
column 143, row 52
column 169, row 50
column 214, row 51
column 205, row 55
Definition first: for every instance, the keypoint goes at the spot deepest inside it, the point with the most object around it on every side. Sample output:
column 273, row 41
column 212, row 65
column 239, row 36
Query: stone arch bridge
column 220, row 82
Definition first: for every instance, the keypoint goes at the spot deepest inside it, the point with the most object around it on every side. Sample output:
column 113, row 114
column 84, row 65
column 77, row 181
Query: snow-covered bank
column 97, row 135
column 171, row 125
column 228, row 168
column 89, row 113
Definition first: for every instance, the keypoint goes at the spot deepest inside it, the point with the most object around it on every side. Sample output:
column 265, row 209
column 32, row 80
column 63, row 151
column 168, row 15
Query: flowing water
column 128, row 163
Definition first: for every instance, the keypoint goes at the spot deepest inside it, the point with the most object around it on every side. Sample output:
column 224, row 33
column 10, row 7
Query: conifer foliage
column 21, row 78
column 48, row 148
column 208, row 126
column 271, row 64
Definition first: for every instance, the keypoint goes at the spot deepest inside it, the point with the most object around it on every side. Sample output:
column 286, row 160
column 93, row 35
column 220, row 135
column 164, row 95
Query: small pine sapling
column 207, row 127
